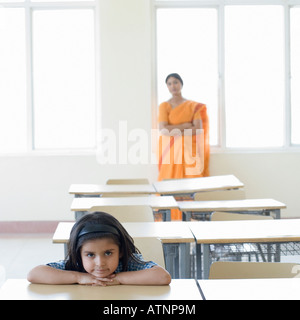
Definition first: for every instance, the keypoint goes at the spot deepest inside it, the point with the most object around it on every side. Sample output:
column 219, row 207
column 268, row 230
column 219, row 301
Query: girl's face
column 174, row 86
column 100, row 257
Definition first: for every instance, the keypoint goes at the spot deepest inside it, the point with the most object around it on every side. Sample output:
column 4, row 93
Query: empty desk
column 81, row 205
column 232, row 232
column 20, row 289
column 257, row 206
column 177, row 187
column 251, row 289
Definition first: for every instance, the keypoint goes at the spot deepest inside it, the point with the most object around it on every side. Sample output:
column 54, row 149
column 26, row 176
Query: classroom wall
column 35, row 187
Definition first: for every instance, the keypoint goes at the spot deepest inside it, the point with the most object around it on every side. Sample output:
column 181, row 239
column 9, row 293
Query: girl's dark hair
column 174, row 75
column 88, row 228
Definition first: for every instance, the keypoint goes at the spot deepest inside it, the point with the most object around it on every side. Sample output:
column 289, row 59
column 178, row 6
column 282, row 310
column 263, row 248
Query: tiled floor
column 20, row 253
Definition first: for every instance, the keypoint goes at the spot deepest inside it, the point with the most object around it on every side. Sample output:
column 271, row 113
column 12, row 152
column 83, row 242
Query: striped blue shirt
column 132, row 264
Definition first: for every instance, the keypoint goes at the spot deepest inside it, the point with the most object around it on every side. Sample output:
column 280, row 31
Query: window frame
column 29, row 7
column 220, row 5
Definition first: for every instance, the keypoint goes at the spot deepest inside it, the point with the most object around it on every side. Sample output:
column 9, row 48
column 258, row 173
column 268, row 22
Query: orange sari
column 182, row 156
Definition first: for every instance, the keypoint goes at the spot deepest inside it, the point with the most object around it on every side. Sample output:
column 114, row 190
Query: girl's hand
column 114, row 281
column 88, row 279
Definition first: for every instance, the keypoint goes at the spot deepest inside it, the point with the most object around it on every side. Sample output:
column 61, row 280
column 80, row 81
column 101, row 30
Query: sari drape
column 183, row 156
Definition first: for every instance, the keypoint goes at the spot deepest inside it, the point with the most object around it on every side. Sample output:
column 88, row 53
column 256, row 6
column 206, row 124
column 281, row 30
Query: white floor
column 20, row 253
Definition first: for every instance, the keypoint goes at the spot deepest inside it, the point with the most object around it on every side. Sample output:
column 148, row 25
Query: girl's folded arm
column 153, row 276
column 49, row 275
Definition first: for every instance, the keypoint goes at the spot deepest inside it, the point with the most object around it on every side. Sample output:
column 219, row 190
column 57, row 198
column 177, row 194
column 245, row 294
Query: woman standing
column 183, row 146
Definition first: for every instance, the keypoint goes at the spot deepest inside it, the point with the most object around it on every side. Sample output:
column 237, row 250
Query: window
column 252, row 101
column 47, row 73
column 12, row 80
column 64, row 79
column 254, row 76
column 295, row 74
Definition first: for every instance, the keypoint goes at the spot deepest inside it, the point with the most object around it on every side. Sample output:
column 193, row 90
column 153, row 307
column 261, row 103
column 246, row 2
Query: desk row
column 180, row 235
column 129, row 210
column 166, row 187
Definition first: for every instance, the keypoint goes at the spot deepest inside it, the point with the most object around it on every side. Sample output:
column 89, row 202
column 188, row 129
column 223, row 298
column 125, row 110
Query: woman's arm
column 166, row 129
column 153, row 276
column 48, row 275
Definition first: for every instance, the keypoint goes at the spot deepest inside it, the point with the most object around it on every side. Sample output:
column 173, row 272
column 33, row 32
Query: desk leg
column 206, row 261
column 170, row 254
column 168, row 215
column 184, row 261
column 186, row 215
column 277, row 254
column 198, row 261
column 277, row 213
column 79, row 214
column 65, row 249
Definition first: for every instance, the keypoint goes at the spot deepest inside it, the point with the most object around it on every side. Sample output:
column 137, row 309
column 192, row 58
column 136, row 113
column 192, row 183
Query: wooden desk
column 258, row 206
column 81, row 205
column 82, row 190
column 191, row 186
column 251, row 289
column 229, row 232
column 174, row 236
column 19, row 289
column 167, row 187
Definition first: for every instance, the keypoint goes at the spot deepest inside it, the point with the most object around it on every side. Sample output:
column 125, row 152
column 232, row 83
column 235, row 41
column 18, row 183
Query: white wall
column 265, row 175
column 36, row 187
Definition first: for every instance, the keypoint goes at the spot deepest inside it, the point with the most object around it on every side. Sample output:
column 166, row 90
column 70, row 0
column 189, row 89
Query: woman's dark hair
column 174, row 75
column 94, row 226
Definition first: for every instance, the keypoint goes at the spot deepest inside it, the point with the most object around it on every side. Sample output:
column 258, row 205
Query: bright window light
column 64, row 79
column 295, row 67
column 254, row 76
column 13, row 117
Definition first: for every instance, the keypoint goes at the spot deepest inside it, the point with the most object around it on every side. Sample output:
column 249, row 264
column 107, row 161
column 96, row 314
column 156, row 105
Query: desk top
column 85, row 204
column 280, row 230
column 20, row 289
column 193, row 185
column 231, row 205
column 167, row 232
column 251, row 289
column 97, row 189
column 170, row 187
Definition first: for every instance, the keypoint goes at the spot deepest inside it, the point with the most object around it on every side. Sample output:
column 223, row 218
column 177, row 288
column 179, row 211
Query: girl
column 101, row 252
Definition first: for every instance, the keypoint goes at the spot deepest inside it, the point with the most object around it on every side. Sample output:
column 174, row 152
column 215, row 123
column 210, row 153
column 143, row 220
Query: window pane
column 254, row 76
column 64, row 79
column 187, row 44
column 295, row 68
column 12, row 81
